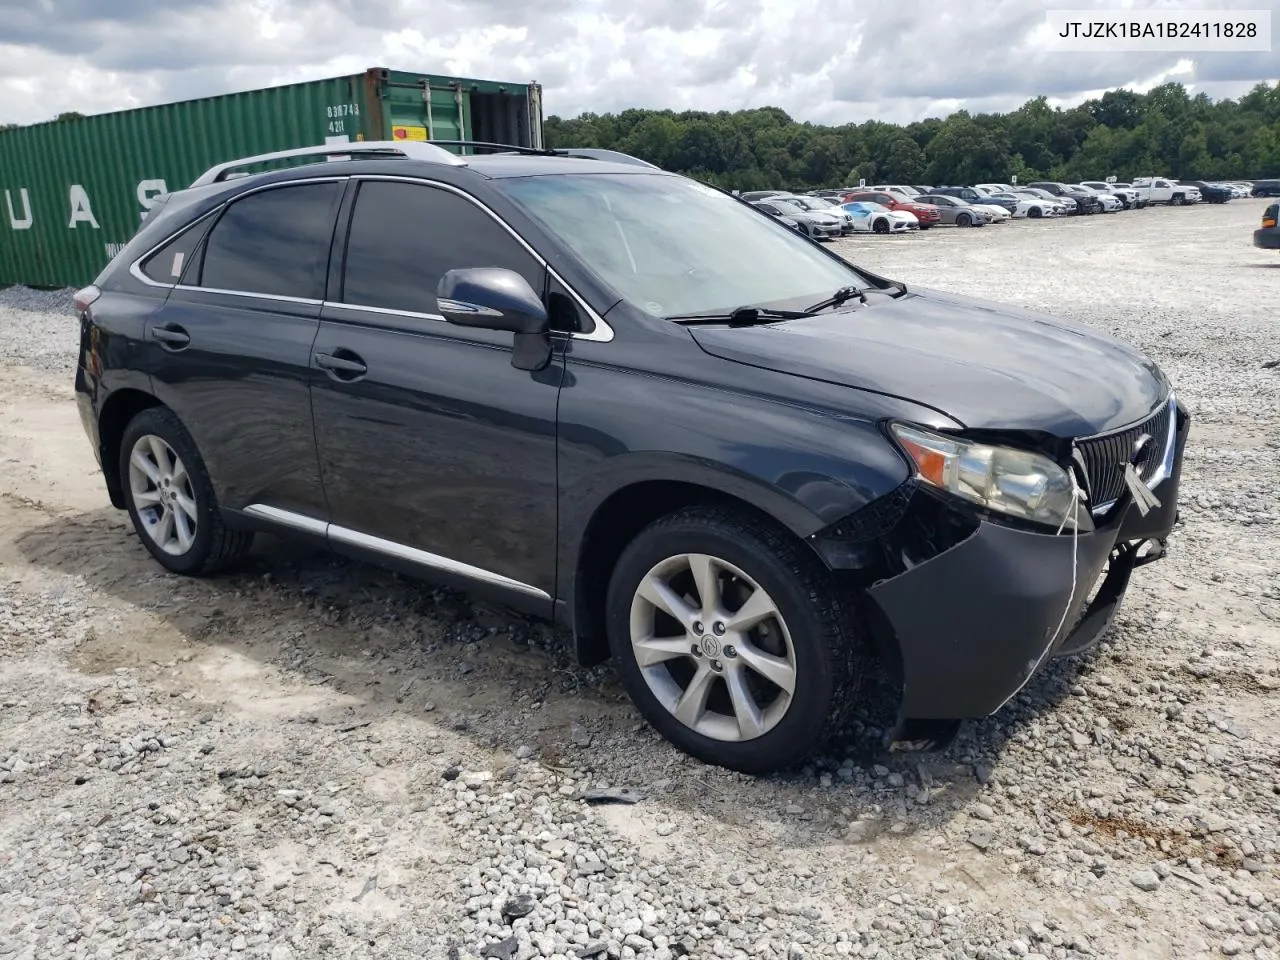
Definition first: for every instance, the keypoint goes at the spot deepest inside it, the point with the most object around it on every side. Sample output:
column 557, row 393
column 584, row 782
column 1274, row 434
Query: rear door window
column 274, row 242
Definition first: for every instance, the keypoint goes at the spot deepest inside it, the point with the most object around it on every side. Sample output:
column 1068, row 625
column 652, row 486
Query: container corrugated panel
column 73, row 192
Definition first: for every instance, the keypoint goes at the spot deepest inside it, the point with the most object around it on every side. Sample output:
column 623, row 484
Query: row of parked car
column 896, row 208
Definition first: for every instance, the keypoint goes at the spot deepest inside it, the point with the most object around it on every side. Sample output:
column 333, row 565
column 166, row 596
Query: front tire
column 731, row 640
column 1035, row 213
column 170, row 497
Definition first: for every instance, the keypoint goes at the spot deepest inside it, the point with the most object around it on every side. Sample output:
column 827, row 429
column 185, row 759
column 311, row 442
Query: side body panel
column 242, row 388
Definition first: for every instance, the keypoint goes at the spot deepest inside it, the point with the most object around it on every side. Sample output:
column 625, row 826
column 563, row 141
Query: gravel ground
column 316, row 758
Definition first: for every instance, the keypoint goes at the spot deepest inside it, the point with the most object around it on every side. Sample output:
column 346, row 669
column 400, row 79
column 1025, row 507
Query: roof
column 502, row 165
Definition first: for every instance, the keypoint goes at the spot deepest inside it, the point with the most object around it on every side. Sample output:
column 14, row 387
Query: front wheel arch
column 613, row 526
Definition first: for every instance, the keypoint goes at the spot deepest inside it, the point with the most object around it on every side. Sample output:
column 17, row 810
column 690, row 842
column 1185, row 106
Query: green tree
column 1165, row 131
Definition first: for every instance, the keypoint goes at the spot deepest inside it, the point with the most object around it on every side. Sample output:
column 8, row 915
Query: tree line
column 1165, row 132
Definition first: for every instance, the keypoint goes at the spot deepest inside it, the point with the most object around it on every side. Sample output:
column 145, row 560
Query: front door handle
column 342, row 365
column 171, row 336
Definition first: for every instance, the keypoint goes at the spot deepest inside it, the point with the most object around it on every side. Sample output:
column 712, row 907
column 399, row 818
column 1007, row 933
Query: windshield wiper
column 742, row 316
column 838, row 298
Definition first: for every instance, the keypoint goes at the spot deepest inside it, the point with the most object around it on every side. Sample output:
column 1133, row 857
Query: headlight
column 1018, row 483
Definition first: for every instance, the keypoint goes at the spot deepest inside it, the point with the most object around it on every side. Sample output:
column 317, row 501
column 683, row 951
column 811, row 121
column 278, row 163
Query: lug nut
column 730, row 652
column 696, row 650
column 717, row 665
column 697, row 627
column 719, row 628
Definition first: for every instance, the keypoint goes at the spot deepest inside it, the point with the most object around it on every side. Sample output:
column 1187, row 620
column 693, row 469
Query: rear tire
column 881, row 225
column 964, row 220
column 170, row 497
column 1035, row 213
column 796, row 631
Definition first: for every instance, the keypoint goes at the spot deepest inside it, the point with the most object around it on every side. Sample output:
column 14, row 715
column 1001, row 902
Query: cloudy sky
column 830, row 61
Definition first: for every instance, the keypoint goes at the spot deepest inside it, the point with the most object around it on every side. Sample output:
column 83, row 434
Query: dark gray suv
column 622, row 399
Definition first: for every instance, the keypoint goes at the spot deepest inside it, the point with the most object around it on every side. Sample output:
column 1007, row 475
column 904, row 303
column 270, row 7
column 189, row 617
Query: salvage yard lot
column 315, row 758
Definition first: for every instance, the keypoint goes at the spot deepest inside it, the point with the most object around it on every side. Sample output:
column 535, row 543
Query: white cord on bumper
column 1077, row 497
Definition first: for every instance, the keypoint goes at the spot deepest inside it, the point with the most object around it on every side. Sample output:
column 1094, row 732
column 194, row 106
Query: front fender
column 805, row 466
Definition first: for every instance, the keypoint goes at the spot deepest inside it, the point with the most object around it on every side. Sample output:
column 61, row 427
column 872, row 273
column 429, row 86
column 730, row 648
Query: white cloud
column 832, row 61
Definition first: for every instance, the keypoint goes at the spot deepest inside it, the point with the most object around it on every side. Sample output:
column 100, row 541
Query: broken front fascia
column 969, row 605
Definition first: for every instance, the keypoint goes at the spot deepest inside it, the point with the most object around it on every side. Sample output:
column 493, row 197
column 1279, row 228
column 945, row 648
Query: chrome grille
column 1105, row 456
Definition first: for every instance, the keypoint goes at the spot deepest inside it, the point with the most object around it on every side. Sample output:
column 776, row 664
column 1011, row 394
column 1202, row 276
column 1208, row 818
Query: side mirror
column 493, row 298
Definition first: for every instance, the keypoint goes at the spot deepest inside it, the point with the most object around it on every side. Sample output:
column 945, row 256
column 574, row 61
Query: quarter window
column 275, row 242
column 405, row 236
column 170, row 262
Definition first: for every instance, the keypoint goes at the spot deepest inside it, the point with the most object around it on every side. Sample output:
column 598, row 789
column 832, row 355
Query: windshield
column 809, row 203
column 671, row 245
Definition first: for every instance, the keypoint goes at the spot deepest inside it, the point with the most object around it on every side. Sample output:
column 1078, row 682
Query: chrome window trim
column 390, row 548
column 135, row 268
column 253, row 296
column 389, row 311
column 601, row 333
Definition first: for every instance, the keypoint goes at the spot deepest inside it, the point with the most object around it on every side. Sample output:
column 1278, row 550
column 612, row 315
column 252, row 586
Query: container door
column 416, row 113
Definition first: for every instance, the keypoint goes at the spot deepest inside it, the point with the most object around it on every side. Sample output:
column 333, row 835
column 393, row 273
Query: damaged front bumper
column 969, row 626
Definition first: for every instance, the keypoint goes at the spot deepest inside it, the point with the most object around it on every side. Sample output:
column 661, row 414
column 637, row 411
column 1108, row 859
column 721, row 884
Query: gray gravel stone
column 1145, row 880
column 182, row 777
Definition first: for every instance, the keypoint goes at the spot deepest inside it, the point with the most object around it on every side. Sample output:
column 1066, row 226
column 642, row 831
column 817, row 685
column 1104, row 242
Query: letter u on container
column 77, row 189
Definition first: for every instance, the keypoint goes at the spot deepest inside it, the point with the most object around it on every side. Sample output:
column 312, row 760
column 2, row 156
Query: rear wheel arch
column 120, row 408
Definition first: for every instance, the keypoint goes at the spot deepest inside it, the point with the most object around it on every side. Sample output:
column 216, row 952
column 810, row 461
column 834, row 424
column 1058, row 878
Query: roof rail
column 586, row 153
column 593, row 153
column 499, row 147
column 411, row 150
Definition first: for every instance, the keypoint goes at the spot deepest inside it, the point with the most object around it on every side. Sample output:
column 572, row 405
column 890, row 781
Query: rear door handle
column 342, row 365
column 171, row 335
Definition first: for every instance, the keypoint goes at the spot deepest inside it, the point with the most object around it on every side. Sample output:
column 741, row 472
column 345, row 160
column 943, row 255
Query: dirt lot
column 314, row 758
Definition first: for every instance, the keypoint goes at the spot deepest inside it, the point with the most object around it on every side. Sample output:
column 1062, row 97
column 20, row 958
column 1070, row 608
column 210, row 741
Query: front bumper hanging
column 972, row 624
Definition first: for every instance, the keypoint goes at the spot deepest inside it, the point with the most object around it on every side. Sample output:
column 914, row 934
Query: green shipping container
column 73, row 192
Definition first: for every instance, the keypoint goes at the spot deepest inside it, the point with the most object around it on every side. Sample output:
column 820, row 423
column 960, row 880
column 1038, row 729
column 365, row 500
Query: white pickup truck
column 1164, row 190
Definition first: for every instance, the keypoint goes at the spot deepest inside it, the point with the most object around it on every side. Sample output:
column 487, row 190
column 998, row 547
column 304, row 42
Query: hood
column 987, row 366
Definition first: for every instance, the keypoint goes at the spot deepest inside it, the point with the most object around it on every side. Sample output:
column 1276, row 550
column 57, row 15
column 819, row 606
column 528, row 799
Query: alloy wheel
column 162, row 495
column 713, row 647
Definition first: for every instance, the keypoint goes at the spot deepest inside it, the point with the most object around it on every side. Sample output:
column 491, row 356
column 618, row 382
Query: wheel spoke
column 161, row 454
column 164, row 528
column 757, row 608
column 179, row 473
column 693, row 702
column 705, row 577
column 745, row 710
column 186, row 506
column 651, row 650
column 774, row 669
column 659, row 593
column 185, row 530
column 139, row 460
column 147, row 498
